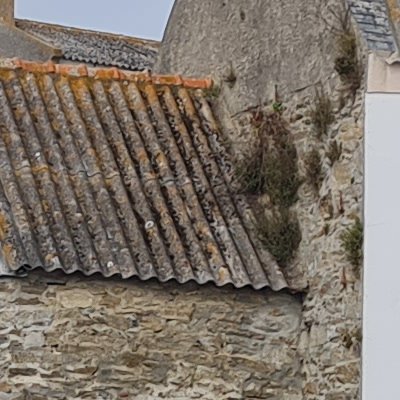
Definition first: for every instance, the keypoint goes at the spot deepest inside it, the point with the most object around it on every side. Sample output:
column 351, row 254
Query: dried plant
column 322, row 115
column 334, row 152
column 313, row 166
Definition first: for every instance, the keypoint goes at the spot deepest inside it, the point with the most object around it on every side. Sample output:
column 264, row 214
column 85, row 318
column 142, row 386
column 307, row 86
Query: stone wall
column 330, row 340
column 87, row 338
column 94, row 339
column 255, row 46
column 330, row 343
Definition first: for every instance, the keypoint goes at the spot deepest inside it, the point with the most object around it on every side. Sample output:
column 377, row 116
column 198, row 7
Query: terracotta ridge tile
column 82, row 70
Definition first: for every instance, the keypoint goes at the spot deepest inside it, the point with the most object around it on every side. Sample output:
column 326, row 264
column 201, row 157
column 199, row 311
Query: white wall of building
column 381, row 337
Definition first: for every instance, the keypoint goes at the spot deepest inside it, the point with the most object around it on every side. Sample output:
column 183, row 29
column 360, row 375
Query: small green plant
column 352, row 243
column 277, row 106
column 322, row 112
column 281, row 235
column 313, row 167
column 334, row 152
column 213, row 93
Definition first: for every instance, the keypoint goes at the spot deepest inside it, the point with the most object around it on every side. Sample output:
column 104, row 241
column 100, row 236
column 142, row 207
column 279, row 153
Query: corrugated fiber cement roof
column 119, row 173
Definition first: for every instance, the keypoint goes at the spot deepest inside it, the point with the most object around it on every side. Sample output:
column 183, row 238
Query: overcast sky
column 142, row 18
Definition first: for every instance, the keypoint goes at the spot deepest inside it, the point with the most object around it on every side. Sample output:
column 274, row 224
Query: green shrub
column 281, row 235
column 352, row 243
column 272, row 168
column 212, row 93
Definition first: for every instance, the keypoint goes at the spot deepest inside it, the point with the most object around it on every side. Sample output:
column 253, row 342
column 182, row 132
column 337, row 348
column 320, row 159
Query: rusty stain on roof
column 123, row 173
column 97, row 48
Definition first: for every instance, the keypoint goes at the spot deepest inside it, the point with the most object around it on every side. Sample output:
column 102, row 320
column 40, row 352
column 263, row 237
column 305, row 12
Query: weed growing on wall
column 352, row 243
column 334, row 152
column 272, row 169
column 347, row 61
column 313, row 167
column 322, row 115
column 281, row 235
column 230, row 77
column 212, row 93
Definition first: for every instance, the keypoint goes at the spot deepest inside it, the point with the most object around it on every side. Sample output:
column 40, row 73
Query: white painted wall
column 381, row 342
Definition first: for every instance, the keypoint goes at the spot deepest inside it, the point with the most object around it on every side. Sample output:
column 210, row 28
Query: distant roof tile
column 373, row 19
column 120, row 173
column 97, row 48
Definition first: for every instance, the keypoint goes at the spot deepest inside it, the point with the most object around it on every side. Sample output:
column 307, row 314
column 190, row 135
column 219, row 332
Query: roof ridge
column 83, row 70
column 136, row 39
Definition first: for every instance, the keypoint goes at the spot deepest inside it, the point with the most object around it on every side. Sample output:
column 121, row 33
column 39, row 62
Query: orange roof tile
column 82, row 70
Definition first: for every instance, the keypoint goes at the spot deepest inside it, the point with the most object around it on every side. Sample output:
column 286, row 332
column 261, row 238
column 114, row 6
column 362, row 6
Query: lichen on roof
column 116, row 172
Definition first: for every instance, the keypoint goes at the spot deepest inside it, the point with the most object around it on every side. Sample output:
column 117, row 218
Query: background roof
column 141, row 18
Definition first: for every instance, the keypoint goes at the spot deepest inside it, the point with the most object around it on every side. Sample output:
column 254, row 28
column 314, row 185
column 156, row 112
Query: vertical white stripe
column 381, row 344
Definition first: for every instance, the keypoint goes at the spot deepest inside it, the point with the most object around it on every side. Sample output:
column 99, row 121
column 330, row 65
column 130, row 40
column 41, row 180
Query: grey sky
column 142, row 18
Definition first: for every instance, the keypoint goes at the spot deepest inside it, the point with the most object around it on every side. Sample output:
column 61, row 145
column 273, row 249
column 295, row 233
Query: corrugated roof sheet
column 96, row 48
column 120, row 173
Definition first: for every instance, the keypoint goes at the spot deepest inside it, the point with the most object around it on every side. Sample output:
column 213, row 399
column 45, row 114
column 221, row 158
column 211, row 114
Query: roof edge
column 82, row 70
column 21, row 23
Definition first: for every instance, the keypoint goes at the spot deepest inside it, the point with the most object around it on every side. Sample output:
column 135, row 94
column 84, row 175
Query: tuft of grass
column 352, row 243
column 322, row 115
column 334, row 152
column 277, row 106
column 281, row 235
column 313, row 166
column 273, row 168
column 213, row 93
